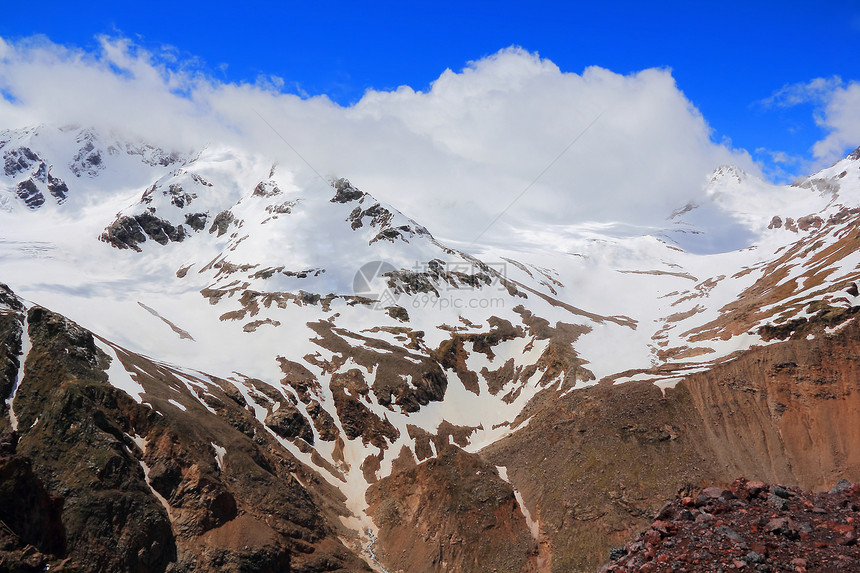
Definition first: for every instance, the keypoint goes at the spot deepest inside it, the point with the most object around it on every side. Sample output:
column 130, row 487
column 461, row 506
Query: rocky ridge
column 90, row 467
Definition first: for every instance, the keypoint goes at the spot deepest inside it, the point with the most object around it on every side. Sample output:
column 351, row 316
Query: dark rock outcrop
column 404, row 379
column 289, row 423
column 74, row 440
column 266, row 189
column 222, row 222
column 26, row 507
column 128, row 232
column 345, row 192
column 57, row 188
column 11, row 330
column 88, row 160
column 323, row 422
column 357, row 420
column 29, row 193
column 17, row 161
column 196, row 221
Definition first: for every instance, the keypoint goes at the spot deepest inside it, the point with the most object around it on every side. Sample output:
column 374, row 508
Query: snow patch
column 177, row 404
column 533, row 525
column 142, row 444
column 26, row 345
column 118, row 376
column 220, row 452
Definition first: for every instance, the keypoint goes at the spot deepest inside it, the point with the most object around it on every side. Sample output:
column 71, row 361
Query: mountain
column 213, row 362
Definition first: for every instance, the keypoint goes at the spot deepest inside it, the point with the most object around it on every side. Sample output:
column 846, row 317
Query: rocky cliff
column 97, row 481
column 595, row 465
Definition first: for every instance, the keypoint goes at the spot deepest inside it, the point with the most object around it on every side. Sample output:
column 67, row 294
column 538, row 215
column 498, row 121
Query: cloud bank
column 837, row 112
column 452, row 156
column 841, row 118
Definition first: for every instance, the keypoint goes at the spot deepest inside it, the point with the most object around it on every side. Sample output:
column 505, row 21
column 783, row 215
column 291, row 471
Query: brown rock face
column 288, row 422
column 348, row 389
column 26, row 508
column 73, row 435
column 787, row 413
column 393, row 366
column 451, row 513
column 164, row 488
column 597, row 464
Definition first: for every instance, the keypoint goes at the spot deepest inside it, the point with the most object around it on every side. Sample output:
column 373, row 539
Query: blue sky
column 726, row 57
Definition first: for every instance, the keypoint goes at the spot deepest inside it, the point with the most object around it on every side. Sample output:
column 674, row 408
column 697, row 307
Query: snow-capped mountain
column 269, row 321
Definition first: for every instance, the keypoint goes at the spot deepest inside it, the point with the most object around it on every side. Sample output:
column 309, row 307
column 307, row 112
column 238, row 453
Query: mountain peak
column 730, row 173
column 345, row 192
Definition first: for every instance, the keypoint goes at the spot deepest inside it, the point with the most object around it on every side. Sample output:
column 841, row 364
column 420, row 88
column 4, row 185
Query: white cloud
column 841, row 117
column 817, row 90
column 837, row 111
column 451, row 157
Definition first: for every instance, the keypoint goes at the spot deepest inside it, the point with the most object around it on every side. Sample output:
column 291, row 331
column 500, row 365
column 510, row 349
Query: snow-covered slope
column 377, row 338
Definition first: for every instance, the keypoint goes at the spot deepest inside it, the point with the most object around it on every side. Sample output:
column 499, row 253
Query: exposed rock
column 815, row 526
column 375, row 216
column 222, row 222
column 284, row 208
column 266, row 189
column 57, row 188
column 26, row 507
column 842, row 485
column 88, row 160
column 403, row 378
column 76, row 448
column 196, row 221
column 429, row 524
column 356, row 419
column 452, row 353
column 178, row 196
column 323, row 422
column 299, row 377
column 378, row 216
column 437, row 274
column 289, row 423
column 243, row 545
column 16, row 161
column 152, row 155
column 29, row 193
column 345, row 192
column 10, row 343
column 398, row 313
column 612, row 468
column 809, row 222
column 445, row 435
column 128, row 232
column 90, row 443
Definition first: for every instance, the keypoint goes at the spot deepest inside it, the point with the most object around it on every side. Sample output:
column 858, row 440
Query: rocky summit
column 210, row 361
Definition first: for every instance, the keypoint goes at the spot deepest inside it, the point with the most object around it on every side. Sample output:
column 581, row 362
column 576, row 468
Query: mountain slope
column 189, row 478
column 306, row 326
